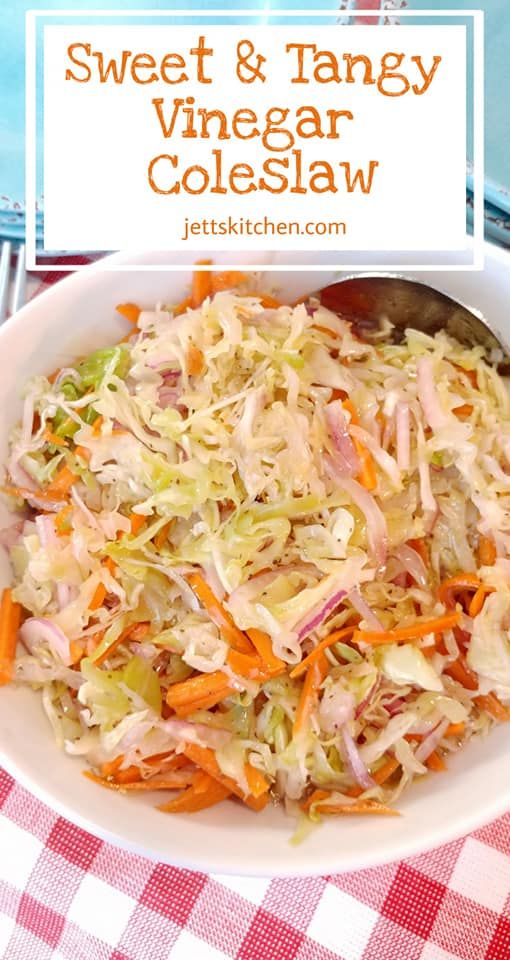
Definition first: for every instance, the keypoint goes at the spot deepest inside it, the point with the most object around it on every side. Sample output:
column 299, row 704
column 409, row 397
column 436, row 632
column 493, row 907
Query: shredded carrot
column 465, row 410
column 201, row 285
column 83, row 453
column 162, row 535
column 109, row 769
column 247, row 665
column 264, row 647
column 269, row 302
column 98, row 598
column 204, row 792
column 419, row 629
column 137, row 521
column 256, row 781
column 435, row 762
column 129, row 774
column 421, row 549
column 360, row 806
column 227, row 280
column 110, row 565
column 462, row 581
column 367, row 475
column 76, row 651
column 223, row 620
column 380, row 776
column 203, row 703
column 24, row 494
column 61, row 520
column 52, row 438
column 329, row 333
column 195, row 362
column 61, row 483
column 386, row 770
column 470, row 374
column 319, row 649
column 101, row 592
column 134, row 631
column 130, row 311
column 206, row 760
column 479, row 598
column 10, row 614
column 96, row 426
column 486, row 552
column 309, row 693
column 491, row 704
column 199, row 693
column 315, row 797
column 455, row 730
column 459, row 671
column 171, row 781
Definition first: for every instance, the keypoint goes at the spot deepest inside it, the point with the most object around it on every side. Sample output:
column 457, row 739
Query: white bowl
column 78, row 314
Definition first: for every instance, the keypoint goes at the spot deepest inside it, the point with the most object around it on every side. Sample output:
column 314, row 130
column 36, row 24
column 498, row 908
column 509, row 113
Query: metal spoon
column 368, row 300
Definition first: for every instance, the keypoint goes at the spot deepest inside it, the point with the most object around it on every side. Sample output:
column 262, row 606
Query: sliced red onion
column 367, row 699
column 365, row 612
column 427, row 498
column 430, row 743
column 388, row 434
column 427, row 393
column 46, row 530
column 171, row 377
column 162, row 362
column 27, row 421
column 10, row 535
column 47, row 536
column 394, row 706
column 377, row 532
column 196, row 733
column 354, row 763
column 412, row 563
column 401, row 579
column 318, row 614
column 43, row 504
column 168, row 396
column 38, row 630
column 403, row 436
column 339, row 433
column 18, row 474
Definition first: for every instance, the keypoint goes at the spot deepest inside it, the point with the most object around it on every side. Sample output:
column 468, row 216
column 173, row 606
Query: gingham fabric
column 66, row 895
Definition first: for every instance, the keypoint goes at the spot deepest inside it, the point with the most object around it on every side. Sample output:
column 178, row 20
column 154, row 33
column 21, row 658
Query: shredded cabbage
column 205, row 503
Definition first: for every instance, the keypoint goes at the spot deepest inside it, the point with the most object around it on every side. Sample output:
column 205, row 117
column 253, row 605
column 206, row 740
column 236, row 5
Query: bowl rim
column 299, row 864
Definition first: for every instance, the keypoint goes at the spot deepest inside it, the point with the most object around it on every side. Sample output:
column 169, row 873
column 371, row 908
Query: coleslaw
column 256, row 557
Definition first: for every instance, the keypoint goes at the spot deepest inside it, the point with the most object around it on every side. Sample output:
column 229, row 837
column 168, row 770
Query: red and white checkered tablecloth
column 66, row 895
